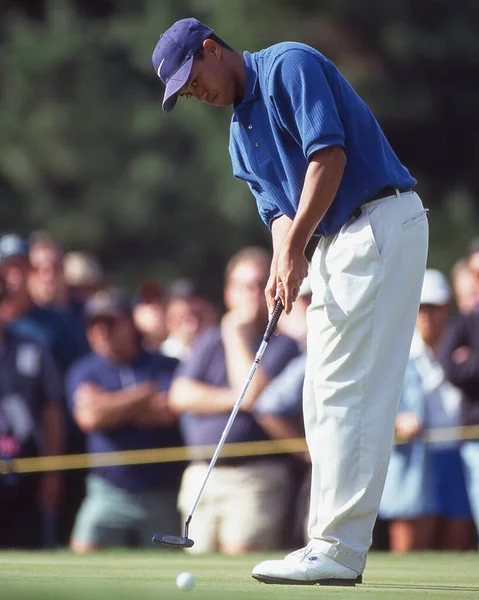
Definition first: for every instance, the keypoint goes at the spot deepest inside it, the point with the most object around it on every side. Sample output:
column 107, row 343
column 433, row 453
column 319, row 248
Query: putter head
column 172, row 541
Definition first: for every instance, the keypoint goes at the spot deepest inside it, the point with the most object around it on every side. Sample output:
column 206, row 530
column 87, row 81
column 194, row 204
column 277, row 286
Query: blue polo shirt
column 295, row 103
column 207, row 364
column 113, row 377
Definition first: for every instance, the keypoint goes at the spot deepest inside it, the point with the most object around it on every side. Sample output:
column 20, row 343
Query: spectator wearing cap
column 118, row 396
column 60, row 331
column 31, row 392
column 83, row 275
column 425, row 493
column 247, row 496
column 189, row 311
column 149, row 316
column 50, row 326
column 459, row 354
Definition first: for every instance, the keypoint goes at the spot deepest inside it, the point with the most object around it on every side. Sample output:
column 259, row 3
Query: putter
column 176, row 541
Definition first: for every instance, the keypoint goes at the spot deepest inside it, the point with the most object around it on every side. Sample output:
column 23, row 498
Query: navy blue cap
column 173, row 56
column 111, row 303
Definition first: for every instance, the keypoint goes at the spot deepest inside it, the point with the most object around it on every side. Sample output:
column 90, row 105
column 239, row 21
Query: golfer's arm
column 323, row 176
column 280, row 228
column 188, row 395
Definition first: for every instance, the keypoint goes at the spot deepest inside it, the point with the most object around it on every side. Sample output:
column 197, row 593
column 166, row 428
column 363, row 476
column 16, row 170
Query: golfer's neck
column 238, row 67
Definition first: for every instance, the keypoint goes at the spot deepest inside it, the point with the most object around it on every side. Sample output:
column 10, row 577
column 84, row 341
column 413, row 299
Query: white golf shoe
column 305, row 567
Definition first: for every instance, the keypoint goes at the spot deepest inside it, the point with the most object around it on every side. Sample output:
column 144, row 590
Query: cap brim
column 174, row 85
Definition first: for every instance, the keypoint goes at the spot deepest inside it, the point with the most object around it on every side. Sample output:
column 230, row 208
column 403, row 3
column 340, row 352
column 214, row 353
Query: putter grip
column 278, row 309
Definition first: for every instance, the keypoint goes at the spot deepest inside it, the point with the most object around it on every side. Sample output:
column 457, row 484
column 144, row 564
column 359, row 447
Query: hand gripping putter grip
column 176, row 541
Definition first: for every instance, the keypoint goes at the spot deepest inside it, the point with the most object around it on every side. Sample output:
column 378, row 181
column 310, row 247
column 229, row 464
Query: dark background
column 87, row 154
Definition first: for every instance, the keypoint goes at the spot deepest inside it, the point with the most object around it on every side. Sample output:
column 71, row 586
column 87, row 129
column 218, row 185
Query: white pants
column 366, row 283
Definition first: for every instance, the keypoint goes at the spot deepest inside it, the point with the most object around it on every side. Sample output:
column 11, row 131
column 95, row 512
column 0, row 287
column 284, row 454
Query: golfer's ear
column 211, row 48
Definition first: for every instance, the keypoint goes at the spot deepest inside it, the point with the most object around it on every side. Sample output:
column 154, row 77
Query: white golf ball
column 185, row 581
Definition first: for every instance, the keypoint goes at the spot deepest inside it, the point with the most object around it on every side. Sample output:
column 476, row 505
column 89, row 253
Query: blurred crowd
column 86, row 368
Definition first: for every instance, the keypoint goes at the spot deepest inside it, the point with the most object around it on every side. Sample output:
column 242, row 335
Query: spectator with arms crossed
column 118, row 395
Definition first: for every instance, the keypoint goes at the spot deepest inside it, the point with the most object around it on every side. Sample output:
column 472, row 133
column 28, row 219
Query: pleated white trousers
column 366, row 283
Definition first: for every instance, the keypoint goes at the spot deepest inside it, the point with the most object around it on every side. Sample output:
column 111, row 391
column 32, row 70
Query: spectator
column 466, row 288
column 63, row 334
column 278, row 410
column 118, row 395
column 460, row 358
column 149, row 316
column 247, row 497
column 47, row 282
column 49, row 326
column 407, row 503
column 189, row 311
column 434, row 405
column 473, row 265
column 83, row 275
column 30, row 425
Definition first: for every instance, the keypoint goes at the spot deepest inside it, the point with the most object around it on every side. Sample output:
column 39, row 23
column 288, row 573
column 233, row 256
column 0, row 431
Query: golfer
column 318, row 164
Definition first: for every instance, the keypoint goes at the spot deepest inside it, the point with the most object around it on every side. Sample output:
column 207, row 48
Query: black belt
column 384, row 193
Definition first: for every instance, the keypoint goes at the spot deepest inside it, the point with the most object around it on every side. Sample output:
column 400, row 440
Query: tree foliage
column 88, row 154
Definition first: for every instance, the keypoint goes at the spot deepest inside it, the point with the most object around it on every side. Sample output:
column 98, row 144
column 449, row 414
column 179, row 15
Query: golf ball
column 185, row 581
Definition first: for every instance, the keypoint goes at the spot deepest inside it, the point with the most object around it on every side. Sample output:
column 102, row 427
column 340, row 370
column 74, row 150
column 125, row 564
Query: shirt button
column 250, row 126
column 256, row 144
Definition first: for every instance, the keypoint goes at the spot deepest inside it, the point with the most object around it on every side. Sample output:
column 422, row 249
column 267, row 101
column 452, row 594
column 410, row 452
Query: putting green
column 151, row 575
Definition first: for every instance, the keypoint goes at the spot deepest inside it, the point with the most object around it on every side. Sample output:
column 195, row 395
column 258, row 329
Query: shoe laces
column 300, row 554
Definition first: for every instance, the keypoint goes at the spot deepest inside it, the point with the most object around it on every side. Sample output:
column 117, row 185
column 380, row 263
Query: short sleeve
column 267, row 210
column 304, row 102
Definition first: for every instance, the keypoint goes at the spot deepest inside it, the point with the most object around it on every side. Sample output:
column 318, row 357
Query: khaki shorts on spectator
column 242, row 507
column 110, row 516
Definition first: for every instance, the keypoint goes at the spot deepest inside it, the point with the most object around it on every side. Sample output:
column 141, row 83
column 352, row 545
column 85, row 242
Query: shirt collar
column 251, row 80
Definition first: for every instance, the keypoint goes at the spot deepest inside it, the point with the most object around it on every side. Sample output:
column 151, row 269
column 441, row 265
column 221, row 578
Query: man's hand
column 408, row 427
column 291, row 270
column 238, row 322
column 461, row 354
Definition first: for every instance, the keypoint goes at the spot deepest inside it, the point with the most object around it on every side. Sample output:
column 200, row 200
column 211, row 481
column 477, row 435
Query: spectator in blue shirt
column 31, row 392
column 63, row 335
column 244, row 506
column 118, row 396
column 318, row 164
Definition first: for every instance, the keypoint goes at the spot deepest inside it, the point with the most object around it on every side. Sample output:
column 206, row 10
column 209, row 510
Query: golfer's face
column 210, row 80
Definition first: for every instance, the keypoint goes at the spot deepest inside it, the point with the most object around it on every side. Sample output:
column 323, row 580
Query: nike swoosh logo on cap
column 159, row 68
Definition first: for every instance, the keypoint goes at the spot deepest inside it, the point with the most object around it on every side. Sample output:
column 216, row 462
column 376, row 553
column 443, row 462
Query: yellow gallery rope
column 179, row 454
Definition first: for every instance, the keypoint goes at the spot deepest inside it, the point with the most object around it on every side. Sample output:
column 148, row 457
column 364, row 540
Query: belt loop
column 398, row 193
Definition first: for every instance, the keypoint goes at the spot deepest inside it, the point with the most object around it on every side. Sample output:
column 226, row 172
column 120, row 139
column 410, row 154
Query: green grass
column 151, row 575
